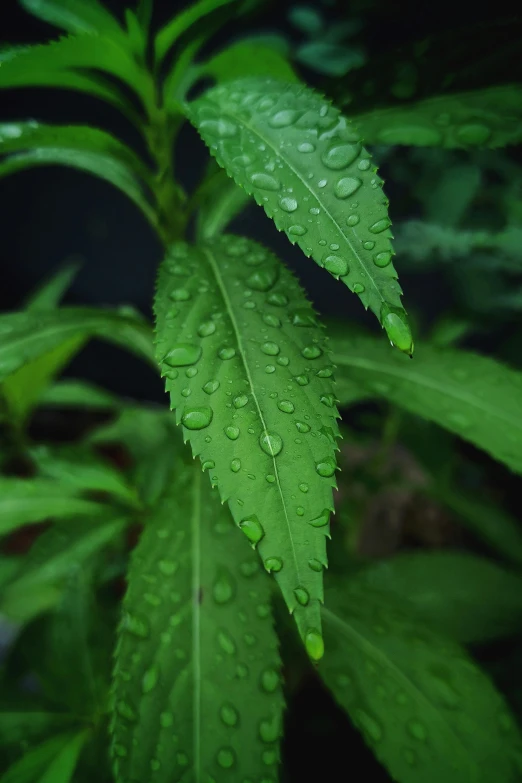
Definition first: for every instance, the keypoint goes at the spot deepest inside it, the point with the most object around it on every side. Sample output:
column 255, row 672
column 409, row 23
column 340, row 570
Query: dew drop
column 382, row 259
column 221, row 127
column 305, row 146
column 326, row 468
column 364, row 164
column 264, row 181
column 314, row 644
column 302, row 596
column 150, row 680
column 136, row 626
column 229, row 715
column 226, row 758
column 336, row 265
column 340, row 155
column 417, row 730
column 232, row 432
column 397, row 328
column 197, row 418
column 369, row 725
column 321, row 520
column 180, row 295
column 315, row 564
column 240, row 401
column 223, row 589
column 182, row 354
column 288, row 204
column 271, row 320
column 302, row 380
column 380, row 226
column 226, row 353
column 302, row 426
column 263, row 279
column 278, row 300
column 252, row 529
column 270, row 729
column 358, row 288
column 226, row 643
column 286, row 406
column 166, row 720
column 235, row 465
column 283, row 118
column 296, row 230
column 311, row 352
column 352, row 220
column 207, row 328
column 347, row 186
column 271, row 443
column 274, row 564
column 210, row 387
column 270, row 680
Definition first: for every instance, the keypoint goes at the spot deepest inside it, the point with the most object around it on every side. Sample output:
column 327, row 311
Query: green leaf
column 25, row 501
column 18, row 725
column 144, row 13
column 248, row 57
column 475, row 397
column 76, row 16
column 77, row 467
column 248, row 372
column 39, row 584
column 491, row 117
column 197, row 655
column 25, row 336
column 303, row 162
column 222, row 201
column 53, row 761
column 173, row 30
column 427, row 711
column 49, row 295
column 21, row 67
column 468, row 598
column 77, row 394
column 27, row 144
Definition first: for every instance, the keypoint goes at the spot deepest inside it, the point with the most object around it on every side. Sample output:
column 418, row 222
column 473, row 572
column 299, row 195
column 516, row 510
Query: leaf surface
column 179, row 24
column 426, row 710
column 52, row 761
column 303, row 162
column 73, row 393
column 249, row 57
column 491, row 117
column 196, row 682
column 76, row 16
column 50, row 293
column 475, row 397
column 248, row 372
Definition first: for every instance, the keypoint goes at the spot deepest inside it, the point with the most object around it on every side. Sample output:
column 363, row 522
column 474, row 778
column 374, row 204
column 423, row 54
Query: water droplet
column 302, row 380
column 166, row 720
column 358, row 288
column 352, row 220
column 264, row 278
column 347, row 186
column 321, row 520
column 271, row 443
column 270, row 478
column 336, row 265
column 286, row 406
column 270, row 729
column 314, row 644
column 397, row 328
column 326, row 468
column 417, row 730
column 207, row 328
column 226, row 643
column 252, row 529
column 232, row 432
column 474, row 133
column 274, row 564
column 311, row 352
column 240, row 401
column 264, row 181
column 180, row 295
column 135, row 625
column 226, row 758
column 300, row 511
column 302, row 596
column 120, row 750
column 229, row 715
column 125, row 710
column 369, row 725
column 221, row 127
column 210, row 387
column 197, row 418
column 270, row 680
column 364, row 164
column 296, row 230
column 288, row 204
column 314, row 211
column 380, row 226
column 235, row 465
column 150, row 680
column 270, row 368
column 271, row 320
column 270, row 348
column 182, row 354
column 302, row 426
column 269, row 757
column 368, row 245
column 382, row 259
column 305, row 146
column 278, row 300
column 283, row 118
column 242, row 671
column 227, row 353
column 315, row 564
column 328, row 400
column 224, row 588
column 340, row 155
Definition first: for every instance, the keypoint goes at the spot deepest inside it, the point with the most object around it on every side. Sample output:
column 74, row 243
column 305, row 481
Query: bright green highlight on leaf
column 249, row 375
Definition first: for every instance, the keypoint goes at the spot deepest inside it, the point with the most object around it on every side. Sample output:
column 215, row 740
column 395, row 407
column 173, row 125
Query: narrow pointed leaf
column 50, row 293
column 475, row 397
column 303, row 162
column 53, row 761
column 17, row 725
column 179, row 24
column 491, row 117
column 25, row 501
column 76, row 16
column 249, row 57
column 222, row 202
column 89, row 149
column 468, row 598
column 24, row 336
column 426, row 710
column 144, row 13
column 248, row 372
column 196, row 690
column 73, row 393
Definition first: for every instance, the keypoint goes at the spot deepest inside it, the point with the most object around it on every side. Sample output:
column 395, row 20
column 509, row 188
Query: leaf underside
column 196, row 692
column 303, row 162
column 249, row 375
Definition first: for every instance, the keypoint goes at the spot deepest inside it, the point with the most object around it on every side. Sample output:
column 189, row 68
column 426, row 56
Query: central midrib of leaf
column 387, row 662
column 196, row 619
column 230, row 311
column 402, row 373
column 277, row 152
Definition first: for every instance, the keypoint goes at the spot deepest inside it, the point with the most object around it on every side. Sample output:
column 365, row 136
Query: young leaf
column 24, row 336
column 249, row 375
column 303, row 162
column 491, row 117
column 25, row 501
column 173, row 30
column 222, row 201
column 468, row 598
column 53, row 761
column 196, row 690
column 473, row 396
column 144, row 13
column 77, row 394
column 88, row 149
column 248, row 57
column 423, row 706
column 50, row 293
column 76, row 16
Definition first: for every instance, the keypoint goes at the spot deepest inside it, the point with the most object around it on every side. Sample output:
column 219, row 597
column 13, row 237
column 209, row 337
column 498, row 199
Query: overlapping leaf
column 196, row 692
column 468, row 598
column 53, row 761
column 491, row 117
column 71, row 393
column 248, row 371
column 423, row 706
column 249, row 57
column 178, row 25
column 304, row 163
column 475, row 397
column 76, row 16
column 27, row 335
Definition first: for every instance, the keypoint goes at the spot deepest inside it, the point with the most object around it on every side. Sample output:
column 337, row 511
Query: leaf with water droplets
column 197, row 687
column 475, row 397
column 491, row 117
column 237, row 396
column 304, row 163
column 426, row 710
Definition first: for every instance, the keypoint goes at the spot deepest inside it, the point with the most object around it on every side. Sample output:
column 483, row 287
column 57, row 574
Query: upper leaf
column 428, row 713
column 249, row 57
column 49, row 295
column 303, row 162
column 196, row 683
column 491, row 117
column 249, row 375
column 76, row 16
column 478, row 398
column 173, row 30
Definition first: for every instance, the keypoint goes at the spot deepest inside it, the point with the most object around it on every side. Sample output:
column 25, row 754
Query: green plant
column 195, row 691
